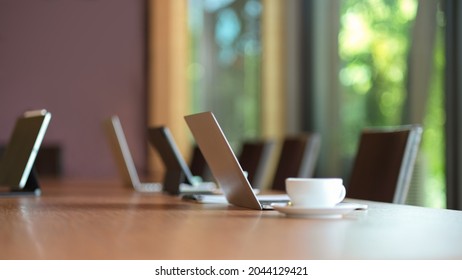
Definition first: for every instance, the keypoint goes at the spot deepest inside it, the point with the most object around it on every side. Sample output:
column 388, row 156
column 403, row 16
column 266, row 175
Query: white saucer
column 332, row 212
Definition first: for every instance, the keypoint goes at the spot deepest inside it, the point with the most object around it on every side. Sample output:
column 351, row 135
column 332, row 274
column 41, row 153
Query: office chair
column 254, row 158
column 297, row 158
column 384, row 163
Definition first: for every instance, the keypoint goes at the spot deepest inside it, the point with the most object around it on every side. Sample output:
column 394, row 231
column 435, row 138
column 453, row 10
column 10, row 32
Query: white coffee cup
column 315, row 192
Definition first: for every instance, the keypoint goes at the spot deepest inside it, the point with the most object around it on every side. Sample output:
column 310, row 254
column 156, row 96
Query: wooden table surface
column 104, row 220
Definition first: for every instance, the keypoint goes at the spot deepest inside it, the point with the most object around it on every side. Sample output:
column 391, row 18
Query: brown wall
column 83, row 60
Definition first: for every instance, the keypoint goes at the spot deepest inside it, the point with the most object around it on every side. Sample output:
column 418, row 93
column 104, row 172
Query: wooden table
column 103, row 220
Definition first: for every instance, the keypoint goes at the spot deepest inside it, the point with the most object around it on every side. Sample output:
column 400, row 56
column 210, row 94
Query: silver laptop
column 128, row 171
column 225, row 166
column 123, row 157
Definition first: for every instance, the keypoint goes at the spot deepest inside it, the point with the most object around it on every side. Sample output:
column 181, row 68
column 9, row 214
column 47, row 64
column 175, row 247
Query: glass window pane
column 225, row 63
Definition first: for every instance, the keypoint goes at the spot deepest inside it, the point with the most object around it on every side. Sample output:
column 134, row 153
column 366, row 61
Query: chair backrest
column 198, row 165
column 384, row 162
column 254, row 158
column 298, row 158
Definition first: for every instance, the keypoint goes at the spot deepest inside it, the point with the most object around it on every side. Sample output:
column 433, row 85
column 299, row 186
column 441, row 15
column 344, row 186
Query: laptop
column 127, row 169
column 225, row 166
column 16, row 165
column 123, row 157
column 178, row 177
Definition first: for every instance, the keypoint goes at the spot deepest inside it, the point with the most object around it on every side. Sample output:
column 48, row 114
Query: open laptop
column 225, row 166
column 123, row 157
column 127, row 168
column 16, row 164
column 177, row 171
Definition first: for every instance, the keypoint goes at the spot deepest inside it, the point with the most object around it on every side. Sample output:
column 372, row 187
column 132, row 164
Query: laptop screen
column 23, row 146
column 222, row 161
column 120, row 150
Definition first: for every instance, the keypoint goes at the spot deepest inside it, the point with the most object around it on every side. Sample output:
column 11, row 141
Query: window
column 224, row 70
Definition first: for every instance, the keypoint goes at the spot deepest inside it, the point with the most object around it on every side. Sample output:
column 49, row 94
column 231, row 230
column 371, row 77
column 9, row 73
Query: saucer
column 306, row 212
